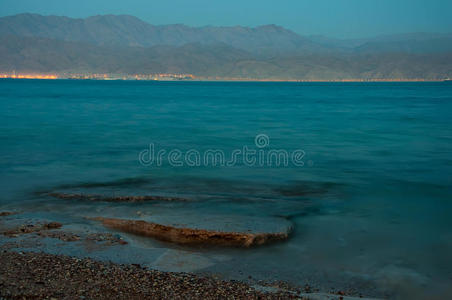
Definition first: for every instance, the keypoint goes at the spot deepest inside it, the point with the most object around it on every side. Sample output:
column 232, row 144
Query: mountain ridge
column 127, row 30
column 268, row 39
column 42, row 55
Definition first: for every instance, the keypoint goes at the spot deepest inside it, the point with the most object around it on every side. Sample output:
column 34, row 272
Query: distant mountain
column 411, row 43
column 127, row 45
column 48, row 55
column 408, row 43
column 126, row 30
column 30, row 54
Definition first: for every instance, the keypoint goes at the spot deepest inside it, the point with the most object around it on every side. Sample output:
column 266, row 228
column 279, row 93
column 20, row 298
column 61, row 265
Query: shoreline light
column 28, row 76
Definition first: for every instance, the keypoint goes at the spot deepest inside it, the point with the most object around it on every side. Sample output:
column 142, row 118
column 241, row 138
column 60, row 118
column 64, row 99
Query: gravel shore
column 45, row 276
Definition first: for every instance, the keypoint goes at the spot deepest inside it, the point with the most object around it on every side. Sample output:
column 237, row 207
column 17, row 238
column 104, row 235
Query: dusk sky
column 335, row 18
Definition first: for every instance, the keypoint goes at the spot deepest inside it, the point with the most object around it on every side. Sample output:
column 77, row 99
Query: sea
column 359, row 174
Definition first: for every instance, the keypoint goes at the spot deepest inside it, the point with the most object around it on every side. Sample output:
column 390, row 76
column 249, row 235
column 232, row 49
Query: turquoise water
column 370, row 206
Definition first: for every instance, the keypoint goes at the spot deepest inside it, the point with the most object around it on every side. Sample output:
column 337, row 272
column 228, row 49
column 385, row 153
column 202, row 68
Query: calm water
column 371, row 207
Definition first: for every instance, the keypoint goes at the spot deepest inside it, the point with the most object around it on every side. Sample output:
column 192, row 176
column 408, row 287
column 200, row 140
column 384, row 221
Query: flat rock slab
column 181, row 234
column 222, row 222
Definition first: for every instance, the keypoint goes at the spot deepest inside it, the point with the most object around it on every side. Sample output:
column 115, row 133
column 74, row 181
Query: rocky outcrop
column 192, row 236
column 131, row 199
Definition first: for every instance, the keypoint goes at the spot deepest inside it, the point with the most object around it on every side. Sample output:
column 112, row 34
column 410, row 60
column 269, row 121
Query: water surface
column 371, row 207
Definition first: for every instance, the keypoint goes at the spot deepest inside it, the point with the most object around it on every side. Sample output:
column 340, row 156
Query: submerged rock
column 193, row 236
column 6, row 213
column 92, row 197
column 108, row 238
column 61, row 235
column 30, row 228
column 173, row 260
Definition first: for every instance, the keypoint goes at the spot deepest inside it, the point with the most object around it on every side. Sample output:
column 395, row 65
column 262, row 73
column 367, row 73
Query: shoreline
column 35, row 263
column 52, row 77
column 43, row 276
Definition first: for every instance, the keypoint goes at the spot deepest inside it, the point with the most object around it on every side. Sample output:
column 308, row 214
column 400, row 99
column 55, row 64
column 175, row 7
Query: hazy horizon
column 351, row 20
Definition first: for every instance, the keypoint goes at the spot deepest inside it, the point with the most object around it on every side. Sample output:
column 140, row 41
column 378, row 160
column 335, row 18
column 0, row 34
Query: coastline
column 192, row 78
column 34, row 264
column 43, row 276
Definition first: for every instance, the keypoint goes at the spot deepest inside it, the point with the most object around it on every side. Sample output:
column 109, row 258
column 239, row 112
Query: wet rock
column 30, row 228
column 52, row 225
column 109, row 238
column 131, row 199
column 61, row 235
column 6, row 213
column 99, row 241
column 192, row 236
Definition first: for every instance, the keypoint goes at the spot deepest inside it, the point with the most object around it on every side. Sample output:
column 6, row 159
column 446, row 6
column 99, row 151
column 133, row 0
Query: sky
column 333, row 18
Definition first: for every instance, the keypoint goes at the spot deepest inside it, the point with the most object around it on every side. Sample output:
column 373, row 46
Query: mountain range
column 127, row 45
